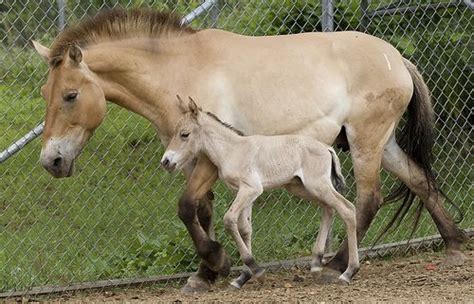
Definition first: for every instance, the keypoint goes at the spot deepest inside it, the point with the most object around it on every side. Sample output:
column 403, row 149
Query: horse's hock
column 115, row 222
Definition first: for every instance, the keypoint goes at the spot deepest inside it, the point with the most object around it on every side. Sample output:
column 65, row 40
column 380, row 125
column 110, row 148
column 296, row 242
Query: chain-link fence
column 117, row 217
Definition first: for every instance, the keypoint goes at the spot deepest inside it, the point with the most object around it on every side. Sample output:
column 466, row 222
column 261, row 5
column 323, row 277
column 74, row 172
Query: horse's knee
column 210, row 252
column 186, row 209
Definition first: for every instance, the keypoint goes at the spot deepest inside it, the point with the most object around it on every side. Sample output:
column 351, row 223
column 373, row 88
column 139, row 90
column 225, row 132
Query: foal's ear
column 42, row 50
column 75, row 54
column 182, row 105
column 193, row 108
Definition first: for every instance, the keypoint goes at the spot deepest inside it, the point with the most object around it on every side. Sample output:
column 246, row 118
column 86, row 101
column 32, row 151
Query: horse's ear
column 193, row 108
column 75, row 54
column 181, row 104
column 42, row 50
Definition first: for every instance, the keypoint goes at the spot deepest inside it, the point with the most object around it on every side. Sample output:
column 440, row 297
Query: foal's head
column 184, row 145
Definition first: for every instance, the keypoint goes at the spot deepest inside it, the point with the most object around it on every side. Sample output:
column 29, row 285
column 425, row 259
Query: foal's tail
column 336, row 174
column 417, row 140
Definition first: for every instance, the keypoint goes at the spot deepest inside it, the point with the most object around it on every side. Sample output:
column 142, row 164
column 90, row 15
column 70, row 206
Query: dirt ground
column 418, row 278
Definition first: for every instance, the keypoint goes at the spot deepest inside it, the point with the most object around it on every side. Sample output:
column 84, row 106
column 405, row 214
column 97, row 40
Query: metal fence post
column 215, row 10
column 364, row 6
column 327, row 16
column 61, row 14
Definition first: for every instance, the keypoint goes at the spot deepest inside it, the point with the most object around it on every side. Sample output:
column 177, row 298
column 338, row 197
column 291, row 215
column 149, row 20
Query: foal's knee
column 245, row 232
column 230, row 221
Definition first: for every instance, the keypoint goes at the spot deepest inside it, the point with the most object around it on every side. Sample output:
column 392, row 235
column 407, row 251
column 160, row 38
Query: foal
column 251, row 164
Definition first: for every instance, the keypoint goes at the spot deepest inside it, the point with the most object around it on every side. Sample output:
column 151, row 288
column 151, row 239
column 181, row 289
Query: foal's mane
column 116, row 24
column 228, row 126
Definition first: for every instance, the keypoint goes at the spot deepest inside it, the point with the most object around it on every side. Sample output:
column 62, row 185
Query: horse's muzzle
column 58, row 166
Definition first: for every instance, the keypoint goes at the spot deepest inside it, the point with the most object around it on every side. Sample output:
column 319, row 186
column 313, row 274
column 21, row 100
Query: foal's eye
column 70, row 97
column 184, row 135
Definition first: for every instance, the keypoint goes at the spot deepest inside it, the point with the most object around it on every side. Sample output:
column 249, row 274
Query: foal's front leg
column 244, row 200
column 245, row 230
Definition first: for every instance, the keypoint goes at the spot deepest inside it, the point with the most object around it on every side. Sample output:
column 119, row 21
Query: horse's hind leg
column 320, row 244
column 367, row 157
column 396, row 161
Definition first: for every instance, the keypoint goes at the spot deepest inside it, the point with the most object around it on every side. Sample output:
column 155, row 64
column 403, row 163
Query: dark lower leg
column 452, row 235
column 396, row 161
column 214, row 258
column 205, row 213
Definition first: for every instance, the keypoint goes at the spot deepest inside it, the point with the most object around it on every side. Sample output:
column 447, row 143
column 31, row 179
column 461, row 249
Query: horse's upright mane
column 115, row 24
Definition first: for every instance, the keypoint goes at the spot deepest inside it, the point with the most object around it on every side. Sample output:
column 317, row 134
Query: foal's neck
column 218, row 141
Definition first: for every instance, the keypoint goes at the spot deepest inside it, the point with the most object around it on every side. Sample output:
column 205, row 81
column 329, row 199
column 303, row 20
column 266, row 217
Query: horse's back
column 315, row 82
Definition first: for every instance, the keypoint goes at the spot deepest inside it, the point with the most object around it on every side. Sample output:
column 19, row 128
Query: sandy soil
column 418, row 278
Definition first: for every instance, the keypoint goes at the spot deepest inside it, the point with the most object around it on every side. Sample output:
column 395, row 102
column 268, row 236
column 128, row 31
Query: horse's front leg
column 195, row 210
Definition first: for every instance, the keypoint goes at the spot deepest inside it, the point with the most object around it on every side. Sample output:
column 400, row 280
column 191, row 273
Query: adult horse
column 344, row 87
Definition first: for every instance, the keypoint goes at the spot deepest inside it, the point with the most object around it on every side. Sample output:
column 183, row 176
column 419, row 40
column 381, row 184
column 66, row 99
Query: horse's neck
column 218, row 141
column 133, row 79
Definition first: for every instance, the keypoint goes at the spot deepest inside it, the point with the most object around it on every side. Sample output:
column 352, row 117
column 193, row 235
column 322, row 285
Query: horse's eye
column 70, row 97
column 184, row 135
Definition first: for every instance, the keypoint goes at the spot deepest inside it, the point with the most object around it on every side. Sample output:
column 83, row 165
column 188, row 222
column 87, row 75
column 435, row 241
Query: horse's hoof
column 326, row 276
column 194, row 285
column 454, row 258
column 226, row 265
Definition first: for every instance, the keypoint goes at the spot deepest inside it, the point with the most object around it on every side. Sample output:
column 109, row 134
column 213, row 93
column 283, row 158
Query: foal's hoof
column 194, row 285
column 259, row 276
column 343, row 280
column 454, row 258
column 326, row 276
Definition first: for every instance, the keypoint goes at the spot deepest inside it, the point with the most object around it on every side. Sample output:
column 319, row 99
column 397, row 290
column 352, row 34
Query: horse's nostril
column 166, row 162
column 57, row 162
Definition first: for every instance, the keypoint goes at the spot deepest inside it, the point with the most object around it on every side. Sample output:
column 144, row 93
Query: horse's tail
column 417, row 140
column 336, row 173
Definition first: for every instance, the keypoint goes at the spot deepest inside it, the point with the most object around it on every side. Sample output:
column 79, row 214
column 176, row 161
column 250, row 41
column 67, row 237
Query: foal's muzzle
column 167, row 161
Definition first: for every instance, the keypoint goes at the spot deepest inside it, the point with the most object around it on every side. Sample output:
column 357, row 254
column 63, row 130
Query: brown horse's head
column 75, row 108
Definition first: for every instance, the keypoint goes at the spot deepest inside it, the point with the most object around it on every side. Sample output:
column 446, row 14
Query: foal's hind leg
column 397, row 162
column 332, row 199
column 320, row 244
